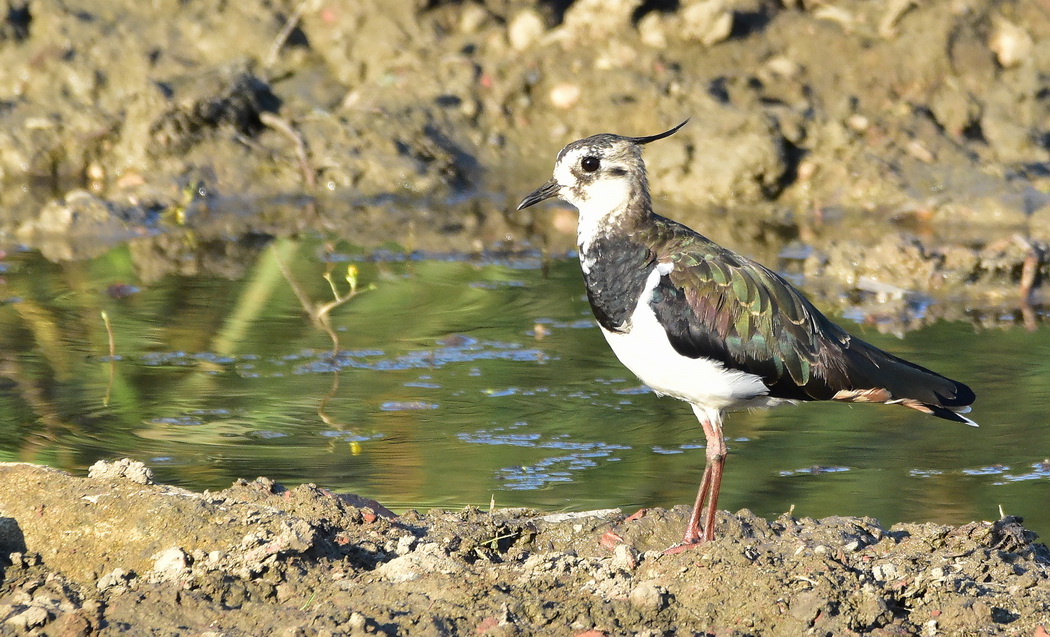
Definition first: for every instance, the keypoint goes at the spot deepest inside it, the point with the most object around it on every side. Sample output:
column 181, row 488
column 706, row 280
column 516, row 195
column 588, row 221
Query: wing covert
column 720, row 305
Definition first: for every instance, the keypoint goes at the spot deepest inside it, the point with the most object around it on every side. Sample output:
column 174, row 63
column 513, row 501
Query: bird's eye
column 589, row 163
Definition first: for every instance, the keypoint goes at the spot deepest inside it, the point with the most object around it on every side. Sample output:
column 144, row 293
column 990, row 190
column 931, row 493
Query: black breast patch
column 619, row 268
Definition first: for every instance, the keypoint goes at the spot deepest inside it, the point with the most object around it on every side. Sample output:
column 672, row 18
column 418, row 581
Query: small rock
column 525, row 29
column 782, row 67
column 427, row 558
column 565, row 95
column 1011, row 44
column 610, row 540
column 883, row 572
column 871, row 609
column 472, row 18
column 73, row 624
column 30, row 618
column 648, row 596
column 170, row 563
column 708, row 22
column 916, row 149
column 357, row 621
column 285, row 591
column 651, row 30
column 624, row 557
column 405, row 544
column 116, row 579
column 596, row 20
column 123, row 468
column 858, row 122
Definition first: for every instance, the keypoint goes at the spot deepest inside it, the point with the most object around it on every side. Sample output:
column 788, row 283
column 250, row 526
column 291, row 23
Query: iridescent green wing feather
column 717, row 304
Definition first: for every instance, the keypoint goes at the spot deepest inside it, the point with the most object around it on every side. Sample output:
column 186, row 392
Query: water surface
column 456, row 381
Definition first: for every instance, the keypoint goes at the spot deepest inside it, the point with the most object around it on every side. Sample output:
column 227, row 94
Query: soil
column 884, row 153
column 115, row 552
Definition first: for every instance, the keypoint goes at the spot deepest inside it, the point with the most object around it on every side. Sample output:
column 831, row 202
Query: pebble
column 651, row 31
column 883, row 572
column 169, row 563
column 858, row 122
column 708, row 22
column 1011, row 44
column 116, row 577
column 357, row 621
column 565, row 95
column 427, row 558
column 525, row 29
column 405, row 544
column 781, row 66
column 29, row 618
column 123, row 468
column 647, row 596
column 625, row 557
column 472, row 18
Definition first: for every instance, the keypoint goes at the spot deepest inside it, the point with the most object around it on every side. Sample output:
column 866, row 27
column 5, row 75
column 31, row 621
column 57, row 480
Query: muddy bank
column 114, row 552
column 920, row 129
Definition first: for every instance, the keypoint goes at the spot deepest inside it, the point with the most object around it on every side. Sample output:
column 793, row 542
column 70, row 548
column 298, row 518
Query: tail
column 895, row 381
column 948, row 413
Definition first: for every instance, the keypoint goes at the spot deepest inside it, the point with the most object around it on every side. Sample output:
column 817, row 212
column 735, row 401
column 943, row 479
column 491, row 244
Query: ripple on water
column 407, row 405
column 549, row 470
column 176, row 421
column 179, row 358
column 812, row 471
column 448, row 351
column 1040, row 471
column 991, row 470
column 454, row 351
column 350, row 436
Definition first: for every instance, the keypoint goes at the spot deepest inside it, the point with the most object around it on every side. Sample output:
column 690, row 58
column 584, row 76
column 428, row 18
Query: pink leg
column 710, row 484
column 692, row 528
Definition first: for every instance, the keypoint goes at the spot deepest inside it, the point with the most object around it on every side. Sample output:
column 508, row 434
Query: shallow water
column 463, row 381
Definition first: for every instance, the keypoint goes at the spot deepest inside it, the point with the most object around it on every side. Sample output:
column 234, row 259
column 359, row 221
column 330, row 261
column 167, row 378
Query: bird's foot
column 684, row 546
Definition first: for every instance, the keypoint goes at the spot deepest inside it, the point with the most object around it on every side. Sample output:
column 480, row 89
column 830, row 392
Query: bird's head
column 601, row 175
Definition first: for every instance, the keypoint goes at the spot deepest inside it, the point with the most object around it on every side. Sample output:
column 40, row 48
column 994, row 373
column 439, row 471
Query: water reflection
column 449, row 381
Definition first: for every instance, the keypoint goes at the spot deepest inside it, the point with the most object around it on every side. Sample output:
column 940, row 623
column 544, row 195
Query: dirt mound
column 115, row 552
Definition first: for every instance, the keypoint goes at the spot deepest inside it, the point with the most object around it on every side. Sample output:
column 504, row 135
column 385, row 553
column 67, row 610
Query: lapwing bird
column 698, row 322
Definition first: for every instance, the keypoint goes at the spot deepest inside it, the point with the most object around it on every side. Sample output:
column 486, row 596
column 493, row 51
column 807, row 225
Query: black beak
column 546, row 191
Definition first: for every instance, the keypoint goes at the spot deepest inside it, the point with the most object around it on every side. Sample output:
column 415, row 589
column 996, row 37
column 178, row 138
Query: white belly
column 704, row 382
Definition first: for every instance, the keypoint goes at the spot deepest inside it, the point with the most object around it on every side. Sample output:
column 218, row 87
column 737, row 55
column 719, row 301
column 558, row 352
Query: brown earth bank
column 116, row 553
column 895, row 149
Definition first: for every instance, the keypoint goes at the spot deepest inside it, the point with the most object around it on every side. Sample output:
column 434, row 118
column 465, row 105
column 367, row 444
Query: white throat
column 605, row 202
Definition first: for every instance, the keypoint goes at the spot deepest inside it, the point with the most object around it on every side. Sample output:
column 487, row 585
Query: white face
column 604, row 177
column 599, row 182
